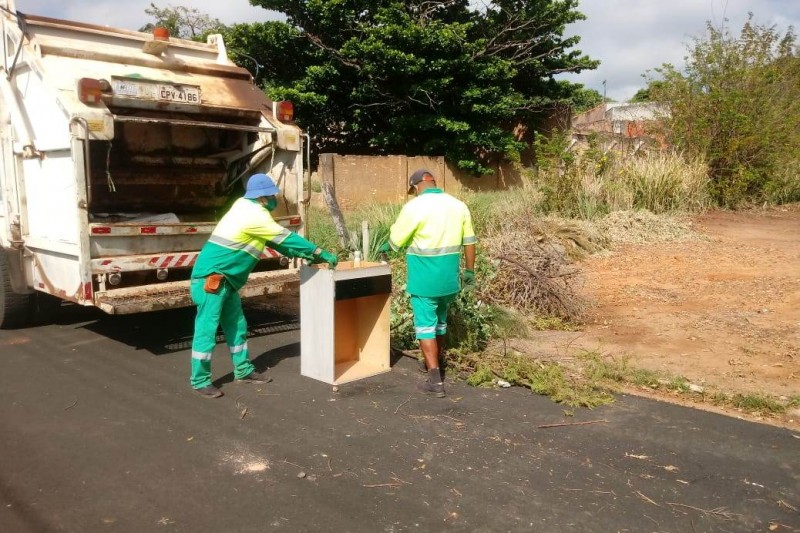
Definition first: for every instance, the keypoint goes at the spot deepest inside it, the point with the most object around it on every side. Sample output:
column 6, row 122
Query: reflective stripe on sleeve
column 280, row 237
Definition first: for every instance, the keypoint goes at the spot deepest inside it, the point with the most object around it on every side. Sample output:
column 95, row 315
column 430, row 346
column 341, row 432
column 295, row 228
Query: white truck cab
column 119, row 152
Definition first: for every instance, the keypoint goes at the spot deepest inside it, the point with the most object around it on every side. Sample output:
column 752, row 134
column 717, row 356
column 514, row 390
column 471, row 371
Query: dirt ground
column 720, row 310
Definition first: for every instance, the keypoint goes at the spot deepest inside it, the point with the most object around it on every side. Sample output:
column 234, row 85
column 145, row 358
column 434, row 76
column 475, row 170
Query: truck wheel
column 15, row 309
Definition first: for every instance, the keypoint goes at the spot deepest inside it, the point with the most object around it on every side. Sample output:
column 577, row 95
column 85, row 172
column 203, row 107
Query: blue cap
column 260, row 185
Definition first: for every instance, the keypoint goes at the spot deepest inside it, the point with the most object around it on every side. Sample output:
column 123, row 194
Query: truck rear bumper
column 175, row 294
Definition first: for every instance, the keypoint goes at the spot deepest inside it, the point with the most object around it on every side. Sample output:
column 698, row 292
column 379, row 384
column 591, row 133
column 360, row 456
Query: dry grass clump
column 659, row 182
column 637, row 227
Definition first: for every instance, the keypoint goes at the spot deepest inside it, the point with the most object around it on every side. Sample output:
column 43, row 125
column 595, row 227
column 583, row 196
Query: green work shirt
column 433, row 228
column 236, row 244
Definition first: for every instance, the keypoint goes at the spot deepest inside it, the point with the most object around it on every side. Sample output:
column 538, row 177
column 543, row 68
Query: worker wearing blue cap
column 222, row 268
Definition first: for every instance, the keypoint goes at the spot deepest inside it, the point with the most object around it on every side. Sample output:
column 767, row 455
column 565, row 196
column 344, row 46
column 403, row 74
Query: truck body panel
column 110, row 187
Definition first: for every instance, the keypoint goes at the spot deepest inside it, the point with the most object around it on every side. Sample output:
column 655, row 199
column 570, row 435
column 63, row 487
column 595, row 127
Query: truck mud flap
column 175, row 294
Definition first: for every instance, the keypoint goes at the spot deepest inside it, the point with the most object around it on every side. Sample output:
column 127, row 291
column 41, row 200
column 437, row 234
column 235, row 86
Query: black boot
column 433, row 385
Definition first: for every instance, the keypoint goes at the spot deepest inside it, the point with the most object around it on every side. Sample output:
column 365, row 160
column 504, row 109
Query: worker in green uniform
column 222, row 268
column 433, row 228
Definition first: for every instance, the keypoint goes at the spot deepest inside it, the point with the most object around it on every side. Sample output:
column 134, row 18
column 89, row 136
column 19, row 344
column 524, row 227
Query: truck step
column 174, row 294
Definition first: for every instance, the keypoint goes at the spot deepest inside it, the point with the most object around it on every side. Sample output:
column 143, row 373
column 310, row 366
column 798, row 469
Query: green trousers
column 223, row 308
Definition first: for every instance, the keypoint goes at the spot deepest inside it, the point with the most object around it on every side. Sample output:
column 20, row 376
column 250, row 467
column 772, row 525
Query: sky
column 629, row 37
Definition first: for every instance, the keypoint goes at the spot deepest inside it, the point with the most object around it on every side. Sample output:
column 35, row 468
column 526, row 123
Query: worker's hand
column 467, row 280
column 326, row 257
column 385, row 248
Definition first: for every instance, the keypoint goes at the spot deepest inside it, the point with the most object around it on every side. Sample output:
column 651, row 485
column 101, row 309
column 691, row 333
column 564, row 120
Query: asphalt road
column 99, row 431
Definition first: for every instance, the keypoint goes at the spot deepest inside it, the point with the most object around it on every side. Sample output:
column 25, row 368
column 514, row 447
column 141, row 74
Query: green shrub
column 736, row 105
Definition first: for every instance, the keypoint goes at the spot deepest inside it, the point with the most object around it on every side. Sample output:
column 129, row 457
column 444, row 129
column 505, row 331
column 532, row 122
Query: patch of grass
column 481, row 377
column 547, row 379
column 620, row 371
column 553, row 323
column 757, row 403
column 320, row 229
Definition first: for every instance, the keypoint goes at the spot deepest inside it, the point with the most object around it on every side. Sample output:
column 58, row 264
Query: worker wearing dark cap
column 433, row 228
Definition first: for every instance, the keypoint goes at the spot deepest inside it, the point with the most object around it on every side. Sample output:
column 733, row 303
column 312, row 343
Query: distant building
column 626, row 120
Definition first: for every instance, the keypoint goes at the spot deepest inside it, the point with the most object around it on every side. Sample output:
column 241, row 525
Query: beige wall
column 361, row 179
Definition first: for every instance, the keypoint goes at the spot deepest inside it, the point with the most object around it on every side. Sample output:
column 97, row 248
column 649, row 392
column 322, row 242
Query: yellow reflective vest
column 433, row 228
column 236, row 244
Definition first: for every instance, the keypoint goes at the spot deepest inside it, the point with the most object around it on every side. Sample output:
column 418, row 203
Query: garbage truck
column 120, row 152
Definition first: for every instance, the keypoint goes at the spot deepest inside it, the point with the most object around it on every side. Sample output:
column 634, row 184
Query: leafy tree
column 584, row 99
column 276, row 52
column 424, row 77
column 182, row 22
column 737, row 104
column 645, row 94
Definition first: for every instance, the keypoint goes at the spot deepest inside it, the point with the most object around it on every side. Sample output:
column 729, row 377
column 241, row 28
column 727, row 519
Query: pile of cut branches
column 533, row 273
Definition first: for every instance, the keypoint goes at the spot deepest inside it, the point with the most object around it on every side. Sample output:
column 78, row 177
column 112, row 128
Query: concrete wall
column 628, row 120
column 361, row 179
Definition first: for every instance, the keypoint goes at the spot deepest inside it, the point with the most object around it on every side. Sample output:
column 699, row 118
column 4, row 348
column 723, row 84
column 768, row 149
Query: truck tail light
column 285, row 111
column 87, row 291
column 89, row 90
column 101, row 230
column 295, row 221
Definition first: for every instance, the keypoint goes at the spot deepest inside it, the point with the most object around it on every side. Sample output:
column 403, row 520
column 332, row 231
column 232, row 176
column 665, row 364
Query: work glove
column 326, row 257
column 385, row 248
column 467, row 280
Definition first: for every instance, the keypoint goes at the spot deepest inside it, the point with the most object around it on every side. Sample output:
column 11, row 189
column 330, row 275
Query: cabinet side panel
column 316, row 324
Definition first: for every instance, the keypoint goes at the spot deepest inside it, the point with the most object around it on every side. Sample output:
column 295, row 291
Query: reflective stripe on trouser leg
column 234, row 326
column 209, row 307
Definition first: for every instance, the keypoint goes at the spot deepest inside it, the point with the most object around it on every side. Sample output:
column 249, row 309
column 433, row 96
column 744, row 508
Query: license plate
column 185, row 94
column 178, row 93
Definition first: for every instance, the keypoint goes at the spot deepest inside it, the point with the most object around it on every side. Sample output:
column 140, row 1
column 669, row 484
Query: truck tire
column 15, row 309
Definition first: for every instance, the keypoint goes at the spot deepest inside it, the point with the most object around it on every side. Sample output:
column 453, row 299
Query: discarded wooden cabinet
column 344, row 321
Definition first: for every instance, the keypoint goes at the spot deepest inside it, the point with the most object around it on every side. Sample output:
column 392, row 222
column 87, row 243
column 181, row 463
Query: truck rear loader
column 120, row 150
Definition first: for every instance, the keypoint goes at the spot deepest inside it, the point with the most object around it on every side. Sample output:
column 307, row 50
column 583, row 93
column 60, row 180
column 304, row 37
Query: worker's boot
column 433, row 385
column 423, row 367
column 209, row 392
column 255, row 377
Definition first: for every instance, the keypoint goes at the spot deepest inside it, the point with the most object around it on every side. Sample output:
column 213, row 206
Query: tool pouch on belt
column 213, row 283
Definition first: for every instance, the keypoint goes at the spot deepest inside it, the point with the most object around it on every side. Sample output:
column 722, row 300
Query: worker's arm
column 288, row 242
column 468, row 240
column 469, row 257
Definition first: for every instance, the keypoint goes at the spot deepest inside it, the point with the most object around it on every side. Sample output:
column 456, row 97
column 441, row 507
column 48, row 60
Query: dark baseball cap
column 418, row 176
